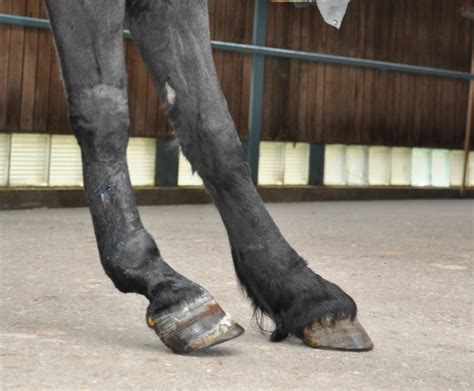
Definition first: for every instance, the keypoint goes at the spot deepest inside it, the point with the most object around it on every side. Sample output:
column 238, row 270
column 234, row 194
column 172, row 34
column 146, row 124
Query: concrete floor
column 408, row 264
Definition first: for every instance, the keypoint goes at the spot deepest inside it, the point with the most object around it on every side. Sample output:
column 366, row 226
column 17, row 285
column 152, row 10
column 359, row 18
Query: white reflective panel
column 335, row 164
column 29, row 160
column 186, row 177
column 379, row 166
column 400, row 166
column 440, row 166
column 141, row 161
column 470, row 170
column 456, row 167
column 65, row 167
column 296, row 164
column 356, row 165
column 421, row 167
column 271, row 163
column 4, row 158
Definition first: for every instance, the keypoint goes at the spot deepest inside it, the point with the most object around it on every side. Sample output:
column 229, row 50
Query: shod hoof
column 195, row 326
column 345, row 334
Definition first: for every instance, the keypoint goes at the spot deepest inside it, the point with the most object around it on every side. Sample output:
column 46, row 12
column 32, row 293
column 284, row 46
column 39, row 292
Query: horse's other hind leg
column 173, row 37
column 88, row 36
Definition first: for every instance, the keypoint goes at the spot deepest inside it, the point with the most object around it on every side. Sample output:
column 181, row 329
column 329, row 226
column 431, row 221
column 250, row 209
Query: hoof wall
column 345, row 334
column 195, row 326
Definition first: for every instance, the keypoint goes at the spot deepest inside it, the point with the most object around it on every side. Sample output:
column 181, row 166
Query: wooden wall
column 331, row 104
column 303, row 101
column 31, row 94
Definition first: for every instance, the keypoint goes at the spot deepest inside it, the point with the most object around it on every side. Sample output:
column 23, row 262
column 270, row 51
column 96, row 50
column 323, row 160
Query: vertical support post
column 469, row 121
column 166, row 163
column 316, row 165
column 256, row 87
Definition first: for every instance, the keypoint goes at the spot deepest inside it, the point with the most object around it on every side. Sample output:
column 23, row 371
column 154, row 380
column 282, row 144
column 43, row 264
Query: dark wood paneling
column 303, row 101
column 15, row 66
column 32, row 98
column 340, row 104
column 30, row 61
column 231, row 21
column 5, row 35
column 43, row 75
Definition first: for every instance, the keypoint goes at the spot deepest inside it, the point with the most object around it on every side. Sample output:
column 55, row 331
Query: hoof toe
column 345, row 334
column 195, row 326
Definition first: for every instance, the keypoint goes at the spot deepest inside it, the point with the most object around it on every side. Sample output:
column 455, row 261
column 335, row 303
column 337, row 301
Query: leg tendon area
column 100, row 120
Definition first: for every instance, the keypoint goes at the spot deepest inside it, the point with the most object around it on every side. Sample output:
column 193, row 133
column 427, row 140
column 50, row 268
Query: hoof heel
column 345, row 334
column 195, row 326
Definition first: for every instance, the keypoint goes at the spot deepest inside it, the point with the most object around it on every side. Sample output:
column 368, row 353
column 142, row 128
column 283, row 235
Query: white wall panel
column 186, row 177
column 65, row 168
column 456, row 168
column 440, row 167
column 470, row 170
column 296, row 164
column 335, row 164
column 379, row 166
column 4, row 158
column 29, row 160
column 271, row 163
column 141, row 155
column 421, row 167
column 400, row 166
column 356, row 165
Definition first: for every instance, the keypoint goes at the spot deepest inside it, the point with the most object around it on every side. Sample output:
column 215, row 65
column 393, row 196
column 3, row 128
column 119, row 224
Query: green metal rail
column 285, row 53
column 257, row 79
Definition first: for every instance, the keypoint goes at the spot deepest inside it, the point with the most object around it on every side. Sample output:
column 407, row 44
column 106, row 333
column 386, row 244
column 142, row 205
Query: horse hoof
column 345, row 334
column 195, row 326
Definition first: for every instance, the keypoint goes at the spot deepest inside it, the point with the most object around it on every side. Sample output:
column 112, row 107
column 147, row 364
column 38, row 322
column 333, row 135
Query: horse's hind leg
column 88, row 36
column 173, row 37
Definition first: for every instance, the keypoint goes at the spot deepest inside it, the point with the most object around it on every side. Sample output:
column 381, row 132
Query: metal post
column 316, row 164
column 166, row 164
column 256, row 87
column 469, row 122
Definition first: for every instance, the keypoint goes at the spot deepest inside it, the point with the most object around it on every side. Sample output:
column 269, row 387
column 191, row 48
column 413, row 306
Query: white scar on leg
column 170, row 94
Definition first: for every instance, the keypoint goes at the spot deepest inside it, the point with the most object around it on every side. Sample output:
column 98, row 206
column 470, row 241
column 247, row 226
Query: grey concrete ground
column 408, row 264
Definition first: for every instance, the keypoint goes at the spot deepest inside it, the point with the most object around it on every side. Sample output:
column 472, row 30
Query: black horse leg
column 88, row 36
column 173, row 37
